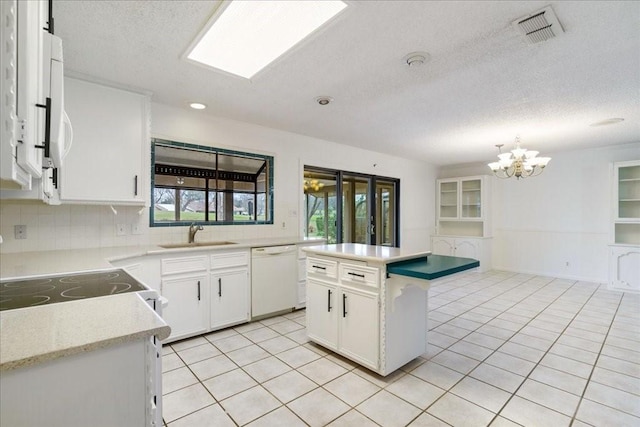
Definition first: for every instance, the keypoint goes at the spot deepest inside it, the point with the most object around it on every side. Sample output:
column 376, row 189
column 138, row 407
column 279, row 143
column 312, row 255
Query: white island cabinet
column 369, row 303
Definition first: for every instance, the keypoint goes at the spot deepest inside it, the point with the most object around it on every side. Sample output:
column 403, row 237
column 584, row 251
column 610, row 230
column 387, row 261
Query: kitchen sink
column 196, row 244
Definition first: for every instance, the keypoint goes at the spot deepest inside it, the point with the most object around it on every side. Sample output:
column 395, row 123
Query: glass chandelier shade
column 520, row 162
column 312, row 185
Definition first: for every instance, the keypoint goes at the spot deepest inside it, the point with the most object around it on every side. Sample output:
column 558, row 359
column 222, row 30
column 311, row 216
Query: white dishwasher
column 274, row 277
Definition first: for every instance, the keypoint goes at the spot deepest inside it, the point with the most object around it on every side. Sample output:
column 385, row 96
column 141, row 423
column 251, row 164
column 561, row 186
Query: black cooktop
column 36, row 291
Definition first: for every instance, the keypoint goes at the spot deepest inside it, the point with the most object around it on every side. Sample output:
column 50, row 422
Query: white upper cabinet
column 626, row 206
column 462, row 206
column 109, row 160
column 21, row 92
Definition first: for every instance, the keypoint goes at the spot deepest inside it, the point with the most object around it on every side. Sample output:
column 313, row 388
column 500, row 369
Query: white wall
column 558, row 223
column 73, row 226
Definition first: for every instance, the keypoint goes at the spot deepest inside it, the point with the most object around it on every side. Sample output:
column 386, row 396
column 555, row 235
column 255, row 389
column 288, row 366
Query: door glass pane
column 385, row 213
column 448, row 199
column 356, row 218
column 320, row 205
column 470, row 199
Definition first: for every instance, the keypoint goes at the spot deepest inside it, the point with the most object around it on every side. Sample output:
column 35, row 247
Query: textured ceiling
column 483, row 85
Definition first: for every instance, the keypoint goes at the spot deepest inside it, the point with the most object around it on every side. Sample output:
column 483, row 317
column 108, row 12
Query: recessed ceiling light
column 611, row 121
column 197, row 105
column 415, row 59
column 246, row 36
column 324, row 100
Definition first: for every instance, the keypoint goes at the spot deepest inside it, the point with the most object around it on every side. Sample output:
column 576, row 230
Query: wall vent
column 539, row 26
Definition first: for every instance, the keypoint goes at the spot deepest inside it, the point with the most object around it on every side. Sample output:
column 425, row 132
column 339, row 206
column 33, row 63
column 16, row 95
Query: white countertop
column 37, row 334
column 360, row 252
column 26, row 264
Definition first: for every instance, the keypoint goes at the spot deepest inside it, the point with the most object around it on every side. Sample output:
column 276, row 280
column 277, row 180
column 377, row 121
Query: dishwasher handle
column 273, row 250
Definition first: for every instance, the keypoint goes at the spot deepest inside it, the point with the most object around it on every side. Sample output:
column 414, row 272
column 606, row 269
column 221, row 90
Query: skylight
column 249, row 35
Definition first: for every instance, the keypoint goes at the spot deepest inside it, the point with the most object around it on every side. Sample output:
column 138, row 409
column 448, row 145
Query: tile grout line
column 497, row 414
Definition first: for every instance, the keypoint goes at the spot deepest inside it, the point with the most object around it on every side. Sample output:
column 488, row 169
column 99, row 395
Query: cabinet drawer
column 350, row 273
column 184, row 264
column 231, row 259
column 322, row 267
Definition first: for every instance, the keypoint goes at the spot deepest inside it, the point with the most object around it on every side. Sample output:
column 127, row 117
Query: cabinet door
column 467, row 249
column 471, row 198
column 358, row 326
column 321, row 314
column 106, row 161
column 187, row 312
column 229, row 297
column 448, row 199
column 442, row 246
column 624, row 271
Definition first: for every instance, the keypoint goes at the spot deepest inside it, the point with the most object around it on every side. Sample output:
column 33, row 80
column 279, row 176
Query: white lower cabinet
column 342, row 314
column 355, row 309
column 321, row 313
column 358, row 336
column 229, row 297
column 466, row 247
column 205, row 291
column 188, row 310
column 110, row 386
column 344, row 320
column 624, row 268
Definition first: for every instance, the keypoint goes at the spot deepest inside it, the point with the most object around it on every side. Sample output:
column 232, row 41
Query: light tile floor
column 505, row 349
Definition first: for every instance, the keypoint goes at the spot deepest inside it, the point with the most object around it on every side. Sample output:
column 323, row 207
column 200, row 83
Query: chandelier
column 520, row 162
column 312, row 184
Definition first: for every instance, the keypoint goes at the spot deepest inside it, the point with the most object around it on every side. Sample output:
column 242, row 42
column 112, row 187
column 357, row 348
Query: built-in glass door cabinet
column 463, row 220
column 624, row 256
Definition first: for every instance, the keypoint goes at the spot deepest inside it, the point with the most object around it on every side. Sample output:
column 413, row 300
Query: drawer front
column 322, row 268
column 351, row 274
column 231, row 259
column 184, row 264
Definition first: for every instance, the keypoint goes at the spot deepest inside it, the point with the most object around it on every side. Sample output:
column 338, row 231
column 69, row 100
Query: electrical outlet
column 136, row 229
column 20, row 231
column 121, row 229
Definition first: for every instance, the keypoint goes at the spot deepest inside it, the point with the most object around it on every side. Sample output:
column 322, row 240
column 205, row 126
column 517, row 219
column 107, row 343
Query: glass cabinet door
column 448, row 199
column 470, row 199
column 629, row 192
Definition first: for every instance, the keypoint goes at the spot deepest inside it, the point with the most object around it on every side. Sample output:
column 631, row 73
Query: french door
column 347, row 207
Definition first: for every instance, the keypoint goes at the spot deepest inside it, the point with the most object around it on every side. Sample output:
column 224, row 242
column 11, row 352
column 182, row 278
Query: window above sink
column 209, row 186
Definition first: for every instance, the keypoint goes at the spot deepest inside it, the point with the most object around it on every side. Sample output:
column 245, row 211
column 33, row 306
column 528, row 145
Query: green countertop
column 432, row 267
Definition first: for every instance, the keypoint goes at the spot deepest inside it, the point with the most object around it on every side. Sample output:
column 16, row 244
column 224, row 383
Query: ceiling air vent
column 539, row 26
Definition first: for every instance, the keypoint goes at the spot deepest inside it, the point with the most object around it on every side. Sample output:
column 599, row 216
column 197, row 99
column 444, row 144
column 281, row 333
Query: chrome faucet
column 193, row 229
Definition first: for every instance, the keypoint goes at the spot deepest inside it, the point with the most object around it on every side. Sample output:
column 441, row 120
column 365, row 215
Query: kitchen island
column 369, row 303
